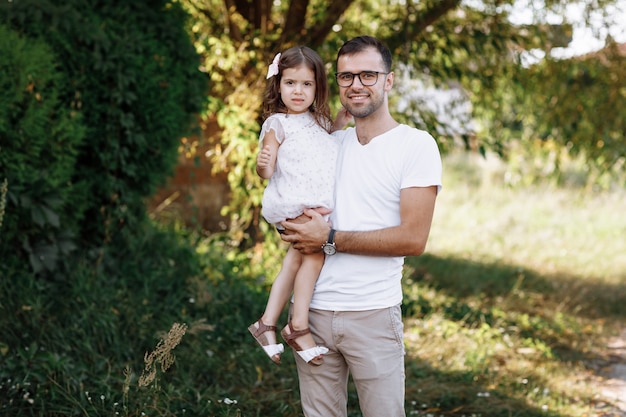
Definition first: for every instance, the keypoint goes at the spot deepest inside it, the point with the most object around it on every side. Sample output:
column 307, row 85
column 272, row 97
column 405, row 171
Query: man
column 388, row 176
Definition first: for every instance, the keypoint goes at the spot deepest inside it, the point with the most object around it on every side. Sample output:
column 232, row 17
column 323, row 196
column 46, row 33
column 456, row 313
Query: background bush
column 95, row 98
column 129, row 70
column 39, row 139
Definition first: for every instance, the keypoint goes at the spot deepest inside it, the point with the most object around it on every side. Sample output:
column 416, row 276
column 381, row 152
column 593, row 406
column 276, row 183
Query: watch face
column 329, row 249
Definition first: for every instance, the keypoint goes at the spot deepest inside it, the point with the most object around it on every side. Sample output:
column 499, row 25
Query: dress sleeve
column 272, row 123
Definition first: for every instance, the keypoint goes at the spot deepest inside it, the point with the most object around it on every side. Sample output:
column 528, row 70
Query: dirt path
column 612, row 379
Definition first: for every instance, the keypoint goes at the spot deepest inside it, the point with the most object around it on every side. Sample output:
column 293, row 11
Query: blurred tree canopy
column 581, row 107
column 471, row 44
column 128, row 82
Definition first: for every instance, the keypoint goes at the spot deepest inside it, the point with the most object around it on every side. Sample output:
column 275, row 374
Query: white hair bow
column 273, row 68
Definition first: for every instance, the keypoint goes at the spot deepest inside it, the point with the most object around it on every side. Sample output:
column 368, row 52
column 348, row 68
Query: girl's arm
column 266, row 158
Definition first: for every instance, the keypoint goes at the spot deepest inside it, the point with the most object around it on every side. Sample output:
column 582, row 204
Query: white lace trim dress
column 305, row 167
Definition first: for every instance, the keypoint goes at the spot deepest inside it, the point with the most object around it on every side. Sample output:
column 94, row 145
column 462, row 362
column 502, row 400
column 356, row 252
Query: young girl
column 298, row 155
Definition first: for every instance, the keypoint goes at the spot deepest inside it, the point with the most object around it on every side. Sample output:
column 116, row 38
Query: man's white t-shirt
column 367, row 197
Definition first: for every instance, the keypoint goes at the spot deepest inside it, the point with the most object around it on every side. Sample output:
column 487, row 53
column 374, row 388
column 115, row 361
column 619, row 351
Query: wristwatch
column 329, row 247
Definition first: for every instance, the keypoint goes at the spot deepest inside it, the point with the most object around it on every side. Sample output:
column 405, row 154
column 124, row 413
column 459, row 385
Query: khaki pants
column 368, row 345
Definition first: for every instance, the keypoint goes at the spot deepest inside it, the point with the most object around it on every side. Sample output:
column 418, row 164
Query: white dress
column 305, row 167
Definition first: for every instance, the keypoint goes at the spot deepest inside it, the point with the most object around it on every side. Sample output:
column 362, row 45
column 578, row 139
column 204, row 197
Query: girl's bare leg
column 303, row 291
column 281, row 290
column 264, row 329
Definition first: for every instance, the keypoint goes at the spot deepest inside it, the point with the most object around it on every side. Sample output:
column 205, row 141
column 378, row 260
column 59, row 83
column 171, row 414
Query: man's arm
column 417, row 206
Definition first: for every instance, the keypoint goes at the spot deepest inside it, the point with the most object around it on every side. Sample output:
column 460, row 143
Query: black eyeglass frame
column 354, row 75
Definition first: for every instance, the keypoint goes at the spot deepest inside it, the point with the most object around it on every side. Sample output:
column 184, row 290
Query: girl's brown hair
column 293, row 58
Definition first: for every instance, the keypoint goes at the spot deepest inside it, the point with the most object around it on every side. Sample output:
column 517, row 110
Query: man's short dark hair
column 361, row 43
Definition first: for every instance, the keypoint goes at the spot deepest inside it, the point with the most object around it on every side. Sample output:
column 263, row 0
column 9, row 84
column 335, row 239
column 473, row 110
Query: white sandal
column 312, row 355
column 257, row 330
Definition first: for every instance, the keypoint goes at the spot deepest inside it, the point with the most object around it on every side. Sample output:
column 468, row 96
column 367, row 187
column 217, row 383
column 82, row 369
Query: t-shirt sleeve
column 272, row 123
column 424, row 168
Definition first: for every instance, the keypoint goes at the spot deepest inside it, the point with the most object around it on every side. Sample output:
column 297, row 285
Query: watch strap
column 331, row 236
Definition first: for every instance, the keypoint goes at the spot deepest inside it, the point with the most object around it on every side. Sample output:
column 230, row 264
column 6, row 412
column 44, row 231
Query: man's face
column 361, row 100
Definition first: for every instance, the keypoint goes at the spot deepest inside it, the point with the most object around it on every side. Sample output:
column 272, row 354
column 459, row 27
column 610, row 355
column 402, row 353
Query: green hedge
column 39, row 140
column 128, row 85
column 94, row 97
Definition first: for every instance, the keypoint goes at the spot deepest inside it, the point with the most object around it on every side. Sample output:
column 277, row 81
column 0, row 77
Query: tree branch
column 231, row 7
column 294, row 21
column 263, row 15
column 433, row 14
column 320, row 30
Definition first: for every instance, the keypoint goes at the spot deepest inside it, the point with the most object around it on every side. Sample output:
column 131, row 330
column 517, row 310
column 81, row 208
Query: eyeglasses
column 367, row 78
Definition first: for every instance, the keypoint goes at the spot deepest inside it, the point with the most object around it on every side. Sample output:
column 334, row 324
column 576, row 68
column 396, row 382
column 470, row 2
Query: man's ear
column 389, row 81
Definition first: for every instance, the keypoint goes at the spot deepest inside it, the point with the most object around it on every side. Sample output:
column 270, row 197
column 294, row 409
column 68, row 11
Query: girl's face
column 297, row 89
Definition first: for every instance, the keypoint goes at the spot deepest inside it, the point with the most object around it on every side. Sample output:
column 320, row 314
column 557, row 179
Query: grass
column 508, row 310
column 505, row 315
column 569, row 231
column 518, row 292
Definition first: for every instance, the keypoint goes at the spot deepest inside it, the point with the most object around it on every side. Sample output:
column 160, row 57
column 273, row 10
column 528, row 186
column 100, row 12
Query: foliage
column 40, row 135
column 3, row 199
column 469, row 46
column 130, row 72
column 69, row 336
column 583, row 113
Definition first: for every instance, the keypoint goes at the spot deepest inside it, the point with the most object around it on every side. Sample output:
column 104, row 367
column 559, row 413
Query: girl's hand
column 264, row 157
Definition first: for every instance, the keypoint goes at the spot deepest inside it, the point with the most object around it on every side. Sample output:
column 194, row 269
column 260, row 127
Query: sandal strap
column 263, row 328
column 294, row 334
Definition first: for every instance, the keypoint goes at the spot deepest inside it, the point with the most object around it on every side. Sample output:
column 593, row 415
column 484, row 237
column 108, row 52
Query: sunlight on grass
column 514, row 298
column 578, row 232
